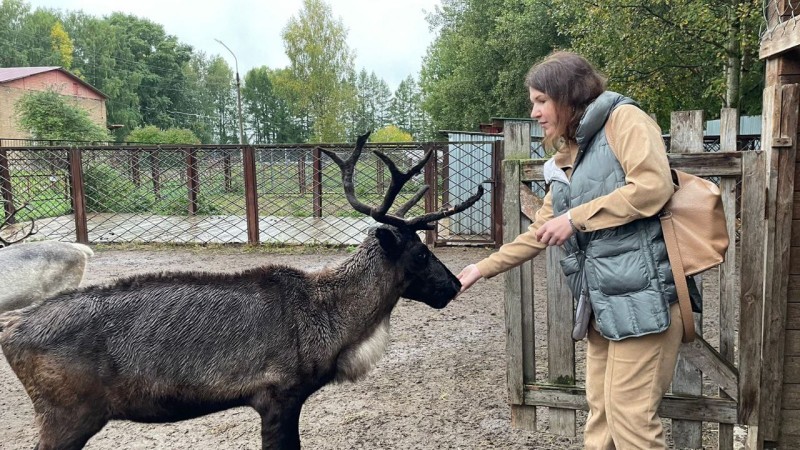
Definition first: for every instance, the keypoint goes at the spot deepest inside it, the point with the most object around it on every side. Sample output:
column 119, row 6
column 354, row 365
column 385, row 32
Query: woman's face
column 544, row 111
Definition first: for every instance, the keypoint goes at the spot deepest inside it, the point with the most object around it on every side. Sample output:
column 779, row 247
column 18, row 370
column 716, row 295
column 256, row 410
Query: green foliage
column 390, row 133
column 474, row 69
column 62, row 45
column 49, row 115
column 150, row 134
column 320, row 61
column 108, row 190
column 672, row 55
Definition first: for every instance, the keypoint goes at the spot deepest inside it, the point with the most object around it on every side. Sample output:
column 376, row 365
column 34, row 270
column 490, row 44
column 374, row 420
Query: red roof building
column 16, row 81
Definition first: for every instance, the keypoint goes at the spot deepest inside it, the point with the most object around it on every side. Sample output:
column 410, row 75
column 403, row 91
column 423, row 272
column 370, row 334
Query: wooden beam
column 718, row 164
column 713, row 365
column 672, row 406
column 783, row 37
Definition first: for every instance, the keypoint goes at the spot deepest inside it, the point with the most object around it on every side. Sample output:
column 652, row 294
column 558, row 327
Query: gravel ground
column 441, row 384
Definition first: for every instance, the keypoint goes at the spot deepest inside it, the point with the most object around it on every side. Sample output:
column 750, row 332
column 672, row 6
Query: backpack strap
column 674, row 254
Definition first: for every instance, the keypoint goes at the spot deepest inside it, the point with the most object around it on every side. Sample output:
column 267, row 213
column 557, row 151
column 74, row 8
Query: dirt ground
column 441, row 384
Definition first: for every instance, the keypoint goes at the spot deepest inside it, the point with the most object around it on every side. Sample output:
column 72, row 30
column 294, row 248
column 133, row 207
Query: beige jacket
column 635, row 139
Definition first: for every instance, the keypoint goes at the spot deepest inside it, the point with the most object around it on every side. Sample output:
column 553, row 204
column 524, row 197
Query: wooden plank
column 790, row 429
column 791, row 396
column 517, row 139
column 792, row 345
column 513, row 308
column 529, row 202
column 686, row 132
column 704, row 357
column 783, row 37
column 795, row 222
column 718, row 164
column 561, row 347
column 528, row 316
column 728, row 277
column 793, row 316
column 791, row 367
column 752, row 283
column 778, row 259
column 686, row 136
column 672, row 406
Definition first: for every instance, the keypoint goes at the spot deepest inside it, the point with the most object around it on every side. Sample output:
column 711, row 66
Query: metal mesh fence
column 36, row 183
column 777, row 12
column 198, row 194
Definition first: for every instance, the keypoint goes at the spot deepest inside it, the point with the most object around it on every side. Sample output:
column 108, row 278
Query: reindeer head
column 424, row 277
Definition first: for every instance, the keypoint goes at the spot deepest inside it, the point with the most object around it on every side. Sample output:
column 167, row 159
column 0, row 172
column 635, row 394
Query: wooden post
column 430, row 196
column 728, row 133
column 155, row 172
column 517, row 138
column 783, row 152
column 136, row 177
column 78, row 196
column 522, row 416
column 498, row 155
column 686, row 136
column 192, row 182
column 5, row 185
column 560, row 346
column 316, row 183
column 226, row 171
column 301, row 172
column 251, row 194
column 751, row 298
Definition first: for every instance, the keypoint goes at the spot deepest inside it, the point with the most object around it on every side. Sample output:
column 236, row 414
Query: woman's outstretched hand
column 468, row 276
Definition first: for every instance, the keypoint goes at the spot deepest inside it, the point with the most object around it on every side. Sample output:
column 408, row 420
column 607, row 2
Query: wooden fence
column 729, row 361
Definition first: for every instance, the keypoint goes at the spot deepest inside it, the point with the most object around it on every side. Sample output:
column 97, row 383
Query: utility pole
column 238, row 93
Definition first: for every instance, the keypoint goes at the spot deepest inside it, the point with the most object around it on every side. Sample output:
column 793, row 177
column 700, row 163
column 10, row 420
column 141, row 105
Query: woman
column 608, row 180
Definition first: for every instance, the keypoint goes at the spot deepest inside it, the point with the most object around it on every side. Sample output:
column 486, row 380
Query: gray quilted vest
column 624, row 270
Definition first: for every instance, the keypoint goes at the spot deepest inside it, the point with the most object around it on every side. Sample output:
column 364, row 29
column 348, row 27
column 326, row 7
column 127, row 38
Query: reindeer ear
column 389, row 240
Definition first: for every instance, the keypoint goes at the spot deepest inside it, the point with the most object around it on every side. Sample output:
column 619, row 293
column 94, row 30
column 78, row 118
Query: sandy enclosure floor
column 441, row 384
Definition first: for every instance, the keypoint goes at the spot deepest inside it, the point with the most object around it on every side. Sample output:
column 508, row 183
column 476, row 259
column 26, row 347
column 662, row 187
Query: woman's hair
column 572, row 83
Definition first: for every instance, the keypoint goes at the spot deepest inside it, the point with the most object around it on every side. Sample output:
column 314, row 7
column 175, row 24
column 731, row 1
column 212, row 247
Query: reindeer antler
column 399, row 179
column 8, row 220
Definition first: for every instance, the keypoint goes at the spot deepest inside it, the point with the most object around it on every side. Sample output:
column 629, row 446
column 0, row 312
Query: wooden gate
column 735, row 396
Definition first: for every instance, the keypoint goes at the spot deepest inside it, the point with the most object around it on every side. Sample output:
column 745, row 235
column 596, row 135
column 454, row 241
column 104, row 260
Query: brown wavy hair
column 572, row 83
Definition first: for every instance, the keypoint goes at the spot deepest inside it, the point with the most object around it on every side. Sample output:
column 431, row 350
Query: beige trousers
column 625, row 381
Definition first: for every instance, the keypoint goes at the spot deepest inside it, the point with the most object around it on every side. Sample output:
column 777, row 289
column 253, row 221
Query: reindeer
column 173, row 346
column 32, row 272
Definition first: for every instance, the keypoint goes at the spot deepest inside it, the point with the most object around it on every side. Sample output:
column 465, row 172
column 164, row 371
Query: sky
column 388, row 37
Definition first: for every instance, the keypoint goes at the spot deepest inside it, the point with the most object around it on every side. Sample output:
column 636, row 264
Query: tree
column 672, row 54
column 406, row 108
column 151, row 134
column 390, row 133
column 475, row 67
column 47, row 115
column 12, row 14
column 268, row 114
column 320, row 62
column 62, row 45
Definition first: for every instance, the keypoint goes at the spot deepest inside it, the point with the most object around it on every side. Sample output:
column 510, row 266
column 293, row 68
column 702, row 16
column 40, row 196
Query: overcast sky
column 388, row 37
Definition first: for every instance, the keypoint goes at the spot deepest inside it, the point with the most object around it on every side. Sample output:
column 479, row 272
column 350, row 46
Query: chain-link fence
column 776, row 13
column 214, row 194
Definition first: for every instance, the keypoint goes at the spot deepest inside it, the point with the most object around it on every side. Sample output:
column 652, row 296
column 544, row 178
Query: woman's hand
column 468, row 276
column 555, row 231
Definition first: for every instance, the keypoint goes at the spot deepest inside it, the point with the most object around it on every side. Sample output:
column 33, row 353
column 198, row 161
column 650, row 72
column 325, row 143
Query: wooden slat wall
column 790, row 396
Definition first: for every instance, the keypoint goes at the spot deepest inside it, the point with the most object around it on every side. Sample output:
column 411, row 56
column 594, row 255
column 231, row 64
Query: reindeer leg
column 62, row 429
column 280, row 427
